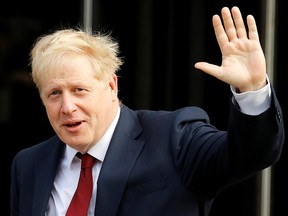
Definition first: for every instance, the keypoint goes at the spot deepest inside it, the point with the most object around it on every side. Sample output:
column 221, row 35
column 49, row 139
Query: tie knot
column 87, row 161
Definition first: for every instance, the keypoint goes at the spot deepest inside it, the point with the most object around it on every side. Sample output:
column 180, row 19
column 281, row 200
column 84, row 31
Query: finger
column 239, row 23
column 210, row 69
column 220, row 33
column 252, row 27
column 228, row 23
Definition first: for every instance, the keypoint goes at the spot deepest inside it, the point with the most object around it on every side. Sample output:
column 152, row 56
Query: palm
column 243, row 62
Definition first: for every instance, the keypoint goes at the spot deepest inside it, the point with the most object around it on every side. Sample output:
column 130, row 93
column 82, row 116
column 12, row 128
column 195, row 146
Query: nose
column 68, row 104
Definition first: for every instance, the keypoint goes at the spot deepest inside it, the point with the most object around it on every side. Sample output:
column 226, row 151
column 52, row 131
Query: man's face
column 80, row 107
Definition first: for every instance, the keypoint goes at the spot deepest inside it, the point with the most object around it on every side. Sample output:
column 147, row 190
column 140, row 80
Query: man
column 147, row 162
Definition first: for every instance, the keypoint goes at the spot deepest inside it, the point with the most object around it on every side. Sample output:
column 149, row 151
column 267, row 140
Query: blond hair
column 49, row 51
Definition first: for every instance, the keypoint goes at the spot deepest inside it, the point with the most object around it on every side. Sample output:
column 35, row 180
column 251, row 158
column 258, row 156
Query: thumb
column 208, row 68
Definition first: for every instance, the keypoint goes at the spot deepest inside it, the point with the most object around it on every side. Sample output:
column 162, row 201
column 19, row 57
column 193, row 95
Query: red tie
column 81, row 199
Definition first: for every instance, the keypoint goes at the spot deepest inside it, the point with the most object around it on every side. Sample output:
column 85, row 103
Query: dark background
column 160, row 42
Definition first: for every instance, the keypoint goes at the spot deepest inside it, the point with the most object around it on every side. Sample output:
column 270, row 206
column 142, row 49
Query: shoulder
column 189, row 113
column 39, row 151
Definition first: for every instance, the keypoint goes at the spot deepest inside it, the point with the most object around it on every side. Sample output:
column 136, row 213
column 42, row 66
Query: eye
column 55, row 93
column 79, row 89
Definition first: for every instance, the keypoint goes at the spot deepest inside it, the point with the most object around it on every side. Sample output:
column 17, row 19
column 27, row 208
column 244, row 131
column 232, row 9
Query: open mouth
column 73, row 124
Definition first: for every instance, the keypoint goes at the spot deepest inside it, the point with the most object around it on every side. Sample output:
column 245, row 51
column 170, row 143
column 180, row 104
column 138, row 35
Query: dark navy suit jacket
column 159, row 163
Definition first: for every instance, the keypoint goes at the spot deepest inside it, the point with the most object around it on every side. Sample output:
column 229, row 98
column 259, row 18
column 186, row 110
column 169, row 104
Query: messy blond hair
column 50, row 50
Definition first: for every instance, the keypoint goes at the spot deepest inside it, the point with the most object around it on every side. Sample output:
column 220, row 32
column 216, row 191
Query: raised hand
column 243, row 61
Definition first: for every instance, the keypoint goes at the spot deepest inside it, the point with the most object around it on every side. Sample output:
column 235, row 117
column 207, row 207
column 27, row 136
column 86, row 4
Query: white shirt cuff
column 253, row 102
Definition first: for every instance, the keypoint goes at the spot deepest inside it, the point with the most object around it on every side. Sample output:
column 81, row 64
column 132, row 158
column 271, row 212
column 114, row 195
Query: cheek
column 107, row 95
column 51, row 111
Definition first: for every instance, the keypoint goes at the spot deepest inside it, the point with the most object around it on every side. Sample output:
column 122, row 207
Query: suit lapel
column 121, row 156
column 45, row 171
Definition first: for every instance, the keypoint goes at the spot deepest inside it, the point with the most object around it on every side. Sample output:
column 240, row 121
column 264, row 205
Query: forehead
column 72, row 67
column 74, row 70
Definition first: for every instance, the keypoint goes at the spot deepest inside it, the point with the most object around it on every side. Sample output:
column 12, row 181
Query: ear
column 113, row 84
